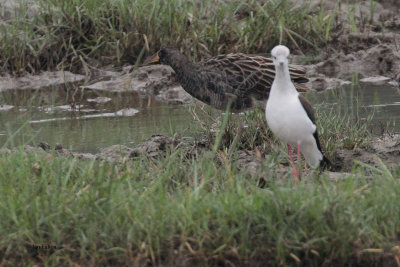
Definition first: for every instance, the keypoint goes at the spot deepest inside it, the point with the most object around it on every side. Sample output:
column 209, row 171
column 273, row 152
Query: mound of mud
column 158, row 80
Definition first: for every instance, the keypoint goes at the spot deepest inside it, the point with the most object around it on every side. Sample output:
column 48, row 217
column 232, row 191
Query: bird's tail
column 325, row 163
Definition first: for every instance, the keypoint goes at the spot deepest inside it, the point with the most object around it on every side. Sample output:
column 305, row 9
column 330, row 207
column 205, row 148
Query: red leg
column 298, row 152
column 295, row 173
column 298, row 158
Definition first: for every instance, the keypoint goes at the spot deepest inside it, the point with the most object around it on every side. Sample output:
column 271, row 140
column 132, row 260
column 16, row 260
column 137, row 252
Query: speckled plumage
column 239, row 79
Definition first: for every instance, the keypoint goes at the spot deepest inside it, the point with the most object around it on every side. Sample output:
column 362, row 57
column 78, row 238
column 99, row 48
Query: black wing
column 308, row 108
column 325, row 163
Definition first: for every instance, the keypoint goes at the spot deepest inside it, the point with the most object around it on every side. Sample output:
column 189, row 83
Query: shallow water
column 72, row 118
column 363, row 100
column 46, row 115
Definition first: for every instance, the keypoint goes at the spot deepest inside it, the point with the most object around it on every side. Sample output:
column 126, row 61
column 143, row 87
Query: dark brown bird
column 237, row 80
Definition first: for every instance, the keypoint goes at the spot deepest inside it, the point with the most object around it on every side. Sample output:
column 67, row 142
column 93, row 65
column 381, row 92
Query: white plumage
column 289, row 115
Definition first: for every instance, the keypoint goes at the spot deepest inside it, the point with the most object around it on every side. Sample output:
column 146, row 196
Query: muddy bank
column 365, row 38
column 157, row 80
column 383, row 150
column 44, row 80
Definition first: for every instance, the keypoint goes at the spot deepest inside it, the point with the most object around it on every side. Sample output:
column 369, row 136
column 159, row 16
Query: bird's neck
column 183, row 67
column 283, row 82
column 282, row 74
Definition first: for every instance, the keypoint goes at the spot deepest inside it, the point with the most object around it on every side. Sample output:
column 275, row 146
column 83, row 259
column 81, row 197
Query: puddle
column 87, row 120
column 72, row 118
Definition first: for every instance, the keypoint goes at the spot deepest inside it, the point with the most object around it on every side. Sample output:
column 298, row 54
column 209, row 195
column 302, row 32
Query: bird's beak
column 281, row 64
column 152, row 59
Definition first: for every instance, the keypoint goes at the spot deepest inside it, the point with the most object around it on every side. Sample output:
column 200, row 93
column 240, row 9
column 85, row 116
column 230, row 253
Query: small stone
column 115, row 152
column 6, row 107
column 99, row 99
column 155, row 146
column 45, row 146
column 127, row 112
column 375, row 80
column 58, row 146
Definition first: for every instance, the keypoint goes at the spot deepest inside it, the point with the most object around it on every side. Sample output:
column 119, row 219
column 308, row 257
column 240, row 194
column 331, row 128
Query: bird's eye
column 275, row 58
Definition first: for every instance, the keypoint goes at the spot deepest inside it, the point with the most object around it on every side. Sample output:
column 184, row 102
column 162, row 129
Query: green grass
column 178, row 211
column 343, row 131
column 75, row 35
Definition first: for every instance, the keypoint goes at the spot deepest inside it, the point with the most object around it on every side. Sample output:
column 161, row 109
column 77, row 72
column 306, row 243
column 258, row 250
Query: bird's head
column 280, row 55
column 163, row 56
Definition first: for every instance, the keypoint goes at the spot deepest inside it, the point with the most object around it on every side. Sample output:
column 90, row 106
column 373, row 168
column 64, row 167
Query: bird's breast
column 288, row 120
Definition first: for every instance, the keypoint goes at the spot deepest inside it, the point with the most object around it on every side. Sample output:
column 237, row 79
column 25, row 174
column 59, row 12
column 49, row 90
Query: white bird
column 290, row 116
